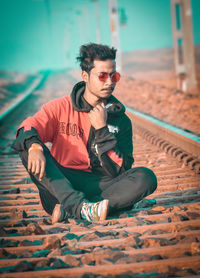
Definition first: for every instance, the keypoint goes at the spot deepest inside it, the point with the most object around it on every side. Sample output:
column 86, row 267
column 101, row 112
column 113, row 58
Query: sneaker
column 94, row 211
column 58, row 214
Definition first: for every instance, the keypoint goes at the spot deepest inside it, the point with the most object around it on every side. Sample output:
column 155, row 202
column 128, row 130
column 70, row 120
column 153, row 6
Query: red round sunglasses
column 103, row 76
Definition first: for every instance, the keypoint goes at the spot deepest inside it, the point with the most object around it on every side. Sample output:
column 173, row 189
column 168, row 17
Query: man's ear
column 85, row 76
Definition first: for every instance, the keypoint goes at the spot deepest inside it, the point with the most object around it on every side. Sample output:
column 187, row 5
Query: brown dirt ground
column 148, row 84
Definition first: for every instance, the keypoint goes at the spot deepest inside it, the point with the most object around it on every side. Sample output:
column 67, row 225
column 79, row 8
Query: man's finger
column 29, row 165
column 37, row 167
column 98, row 107
column 33, row 167
column 42, row 168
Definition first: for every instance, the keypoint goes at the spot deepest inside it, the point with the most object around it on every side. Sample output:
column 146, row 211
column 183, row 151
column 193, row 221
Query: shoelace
column 89, row 211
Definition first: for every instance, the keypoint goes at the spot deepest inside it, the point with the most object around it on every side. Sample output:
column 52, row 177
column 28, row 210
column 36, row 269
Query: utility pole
column 86, row 22
column 183, row 44
column 98, row 27
column 114, row 28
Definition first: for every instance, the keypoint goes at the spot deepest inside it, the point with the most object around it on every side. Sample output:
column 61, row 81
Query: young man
column 88, row 171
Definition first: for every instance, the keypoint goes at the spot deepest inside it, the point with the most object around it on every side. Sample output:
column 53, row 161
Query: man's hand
column 36, row 160
column 98, row 116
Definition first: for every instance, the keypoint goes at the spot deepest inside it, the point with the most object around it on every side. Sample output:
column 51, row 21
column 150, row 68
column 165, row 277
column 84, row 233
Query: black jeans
column 71, row 187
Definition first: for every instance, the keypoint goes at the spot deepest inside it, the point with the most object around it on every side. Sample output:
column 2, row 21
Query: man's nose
column 109, row 80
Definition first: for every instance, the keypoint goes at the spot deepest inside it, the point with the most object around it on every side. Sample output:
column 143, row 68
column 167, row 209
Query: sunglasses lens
column 116, row 77
column 103, row 76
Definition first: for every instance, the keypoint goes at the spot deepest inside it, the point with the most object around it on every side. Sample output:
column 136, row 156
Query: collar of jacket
column 114, row 106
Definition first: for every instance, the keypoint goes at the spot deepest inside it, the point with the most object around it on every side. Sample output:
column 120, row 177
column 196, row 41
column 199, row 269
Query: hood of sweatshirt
column 113, row 106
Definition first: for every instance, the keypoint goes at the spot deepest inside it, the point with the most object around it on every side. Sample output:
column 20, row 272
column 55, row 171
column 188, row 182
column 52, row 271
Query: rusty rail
column 183, row 145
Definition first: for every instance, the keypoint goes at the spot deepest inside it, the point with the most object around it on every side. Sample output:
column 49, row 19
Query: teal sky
column 41, row 34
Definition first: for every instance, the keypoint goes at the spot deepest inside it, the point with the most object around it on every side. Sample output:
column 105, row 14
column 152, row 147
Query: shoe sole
column 104, row 210
column 56, row 214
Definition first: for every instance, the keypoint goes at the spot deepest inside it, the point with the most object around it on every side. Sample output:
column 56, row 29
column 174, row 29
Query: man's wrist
column 35, row 146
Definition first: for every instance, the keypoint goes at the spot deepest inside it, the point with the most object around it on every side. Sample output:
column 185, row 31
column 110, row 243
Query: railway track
column 159, row 237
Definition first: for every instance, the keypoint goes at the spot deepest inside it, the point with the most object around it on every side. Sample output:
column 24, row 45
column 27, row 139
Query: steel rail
column 22, row 97
column 183, row 145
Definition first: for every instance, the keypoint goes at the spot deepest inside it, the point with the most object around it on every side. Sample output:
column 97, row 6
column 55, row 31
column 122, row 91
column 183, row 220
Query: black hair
column 92, row 51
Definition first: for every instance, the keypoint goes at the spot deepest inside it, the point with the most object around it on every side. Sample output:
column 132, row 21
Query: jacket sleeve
column 115, row 151
column 40, row 128
column 25, row 139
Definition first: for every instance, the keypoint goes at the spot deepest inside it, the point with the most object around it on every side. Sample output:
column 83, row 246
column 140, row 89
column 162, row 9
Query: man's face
column 100, row 89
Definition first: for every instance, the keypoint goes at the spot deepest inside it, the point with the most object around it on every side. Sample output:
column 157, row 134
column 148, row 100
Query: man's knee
column 146, row 178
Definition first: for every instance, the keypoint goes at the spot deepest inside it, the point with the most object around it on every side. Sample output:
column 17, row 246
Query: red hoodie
column 75, row 143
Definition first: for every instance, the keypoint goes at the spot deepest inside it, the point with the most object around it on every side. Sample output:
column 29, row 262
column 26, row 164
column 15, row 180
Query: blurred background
column 46, row 34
